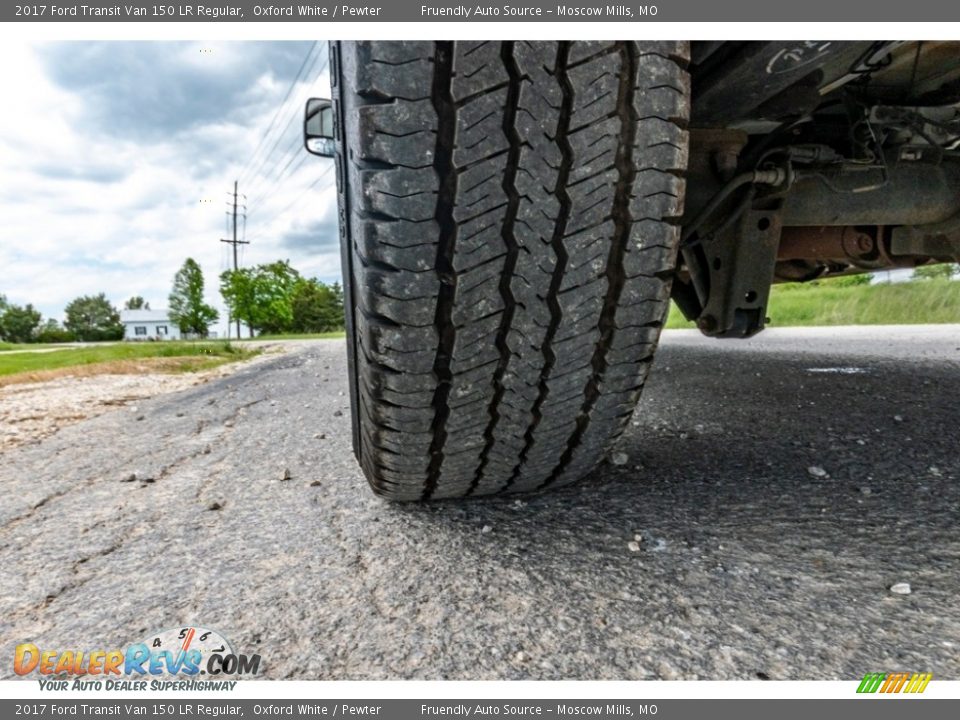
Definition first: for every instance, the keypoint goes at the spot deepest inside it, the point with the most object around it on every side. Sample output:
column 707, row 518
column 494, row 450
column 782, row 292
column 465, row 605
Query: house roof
column 142, row 316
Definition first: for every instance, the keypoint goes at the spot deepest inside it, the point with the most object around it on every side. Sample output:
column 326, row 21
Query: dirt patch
column 140, row 367
column 36, row 405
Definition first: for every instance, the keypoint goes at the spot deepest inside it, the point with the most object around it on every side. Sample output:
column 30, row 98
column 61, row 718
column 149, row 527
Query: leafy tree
column 236, row 287
column 3, row 309
column 943, row 271
column 261, row 297
column 317, row 307
column 92, row 317
column 19, row 324
column 136, row 303
column 52, row 332
column 187, row 308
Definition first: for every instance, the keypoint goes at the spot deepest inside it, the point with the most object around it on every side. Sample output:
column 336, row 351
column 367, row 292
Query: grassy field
column 302, row 336
column 830, row 303
column 123, row 358
column 13, row 347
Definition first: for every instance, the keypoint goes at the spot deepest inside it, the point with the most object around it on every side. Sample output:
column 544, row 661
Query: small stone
column 132, row 477
column 486, row 529
column 180, row 414
column 315, row 483
column 521, row 656
column 228, row 423
column 633, row 546
column 898, row 418
column 900, row 588
column 214, row 506
column 619, row 458
column 638, row 537
column 866, row 491
column 817, row 471
column 320, row 436
column 286, row 475
column 207, row 450
column 935, row 471
column 140, row 417
column 338, row 413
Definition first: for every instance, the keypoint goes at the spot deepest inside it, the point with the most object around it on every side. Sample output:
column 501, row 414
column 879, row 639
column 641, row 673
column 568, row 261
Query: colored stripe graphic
column 894, row 682
column 870, row 683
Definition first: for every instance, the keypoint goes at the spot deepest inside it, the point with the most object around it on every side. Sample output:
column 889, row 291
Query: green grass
column 302, row 336
column 13, row 347
column 179, row 356
column 830, row 303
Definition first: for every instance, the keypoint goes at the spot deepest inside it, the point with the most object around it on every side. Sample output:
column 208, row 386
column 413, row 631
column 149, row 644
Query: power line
column 260, row 184
column 256, row 174
column 276, row 115
column 278, row 183
column 277, row 216
column 294, row 152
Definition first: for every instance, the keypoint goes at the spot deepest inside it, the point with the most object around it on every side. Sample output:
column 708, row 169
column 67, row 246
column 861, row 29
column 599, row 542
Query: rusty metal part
column 714, row 154
column 838, row 245
column 938, row 240
column 807, row 253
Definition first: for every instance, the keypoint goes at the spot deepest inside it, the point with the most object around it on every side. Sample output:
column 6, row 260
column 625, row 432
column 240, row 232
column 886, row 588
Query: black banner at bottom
column 873, row 707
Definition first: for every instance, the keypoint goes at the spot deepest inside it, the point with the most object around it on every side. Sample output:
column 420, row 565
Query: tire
column 509, row 228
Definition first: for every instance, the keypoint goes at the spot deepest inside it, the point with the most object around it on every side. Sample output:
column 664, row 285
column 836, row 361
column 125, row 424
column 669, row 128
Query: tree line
column 268, row 298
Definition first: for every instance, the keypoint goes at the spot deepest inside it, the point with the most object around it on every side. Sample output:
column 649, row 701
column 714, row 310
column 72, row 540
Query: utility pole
column 235, row 243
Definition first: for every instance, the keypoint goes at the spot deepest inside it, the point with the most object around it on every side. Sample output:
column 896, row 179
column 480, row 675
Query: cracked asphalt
column 773, row 491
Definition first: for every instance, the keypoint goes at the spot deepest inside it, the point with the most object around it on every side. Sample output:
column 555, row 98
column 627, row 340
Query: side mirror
column 318, row 127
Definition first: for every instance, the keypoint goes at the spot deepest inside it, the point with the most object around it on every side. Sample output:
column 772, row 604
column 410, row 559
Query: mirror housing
column 318, row 127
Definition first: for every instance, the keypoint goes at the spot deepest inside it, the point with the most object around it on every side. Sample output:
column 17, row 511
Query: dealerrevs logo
column 182, row 653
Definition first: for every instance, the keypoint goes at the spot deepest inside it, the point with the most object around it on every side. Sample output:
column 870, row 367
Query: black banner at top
column 520, row 11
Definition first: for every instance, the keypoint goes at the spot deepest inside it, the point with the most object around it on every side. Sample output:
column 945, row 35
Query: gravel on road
column 767, row 516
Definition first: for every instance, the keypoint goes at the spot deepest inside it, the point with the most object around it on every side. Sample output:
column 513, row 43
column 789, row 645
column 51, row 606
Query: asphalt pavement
column 769, row 495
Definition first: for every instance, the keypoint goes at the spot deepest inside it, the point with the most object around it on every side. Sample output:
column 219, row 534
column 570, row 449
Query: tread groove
column 510, row 262
column 559, row 231
column 446, row 199
column 614, row 268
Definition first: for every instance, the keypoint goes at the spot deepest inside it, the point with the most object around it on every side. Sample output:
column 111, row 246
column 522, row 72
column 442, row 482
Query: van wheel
column 509, row 224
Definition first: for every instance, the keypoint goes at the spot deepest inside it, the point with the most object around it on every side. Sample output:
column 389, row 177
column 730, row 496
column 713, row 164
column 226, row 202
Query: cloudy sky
column 117, row 159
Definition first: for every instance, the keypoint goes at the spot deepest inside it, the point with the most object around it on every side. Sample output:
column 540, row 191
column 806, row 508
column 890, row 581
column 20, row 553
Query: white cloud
column 96, row 197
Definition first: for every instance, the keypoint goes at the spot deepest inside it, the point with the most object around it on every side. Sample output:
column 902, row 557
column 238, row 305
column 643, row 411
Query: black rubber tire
column 509, row 223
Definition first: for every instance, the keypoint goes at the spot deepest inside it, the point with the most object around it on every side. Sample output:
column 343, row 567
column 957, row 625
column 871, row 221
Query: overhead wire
column 287, row 165
column 261, row 184
column 276, row 116
column 298, row 198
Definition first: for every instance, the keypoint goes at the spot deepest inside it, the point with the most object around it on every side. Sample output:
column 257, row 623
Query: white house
column 148, row 325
